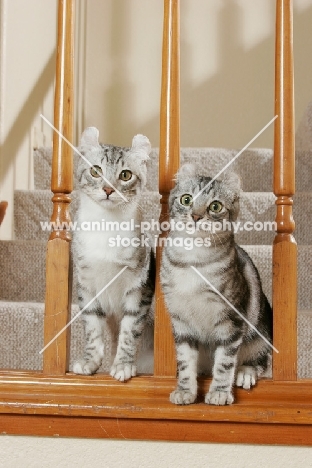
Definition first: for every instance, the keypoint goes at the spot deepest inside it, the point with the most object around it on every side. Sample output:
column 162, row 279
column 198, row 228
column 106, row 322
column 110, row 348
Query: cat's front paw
column 123, row 372
column 246, row 377
column 82, row 366
column 219, row 398
column 182, row 397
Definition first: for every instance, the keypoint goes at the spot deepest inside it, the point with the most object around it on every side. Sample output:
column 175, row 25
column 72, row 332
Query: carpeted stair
column 22, row 274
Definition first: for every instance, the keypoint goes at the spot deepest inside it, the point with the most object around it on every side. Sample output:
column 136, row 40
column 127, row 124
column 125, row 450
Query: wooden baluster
column 3, row 207
column 284, row 248
column 169, row 161
column 57, row 300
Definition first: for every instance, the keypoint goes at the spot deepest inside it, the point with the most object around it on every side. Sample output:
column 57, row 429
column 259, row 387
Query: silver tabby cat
column 111, row 190
column 200, row 317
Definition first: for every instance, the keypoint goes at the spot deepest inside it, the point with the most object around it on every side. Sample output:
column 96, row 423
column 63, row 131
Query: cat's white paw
column 82, row 366
column 123, row 372
column 246, row 377
column 182, row 397
column 219, row 398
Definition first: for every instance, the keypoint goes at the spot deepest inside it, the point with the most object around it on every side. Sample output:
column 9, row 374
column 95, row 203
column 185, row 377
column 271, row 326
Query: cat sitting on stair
column 110, row 189
column 213, row 292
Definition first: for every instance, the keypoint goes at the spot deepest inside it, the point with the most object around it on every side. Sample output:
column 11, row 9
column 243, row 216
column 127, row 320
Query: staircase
column 22, row 274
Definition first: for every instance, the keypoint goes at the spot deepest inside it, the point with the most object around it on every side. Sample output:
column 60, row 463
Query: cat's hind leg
column 250, row 371
column 246, row 377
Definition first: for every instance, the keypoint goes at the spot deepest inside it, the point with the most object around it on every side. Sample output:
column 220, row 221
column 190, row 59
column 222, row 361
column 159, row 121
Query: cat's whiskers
column 140, row 208
column 213, row 238
column 163, row 217
column 219, row 237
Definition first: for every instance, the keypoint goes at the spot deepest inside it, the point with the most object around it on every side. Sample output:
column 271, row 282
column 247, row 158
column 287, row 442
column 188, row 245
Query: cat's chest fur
column 194, row 299
column 209, row 261
column 191, row 297
column 98, row 262
column 101, row 238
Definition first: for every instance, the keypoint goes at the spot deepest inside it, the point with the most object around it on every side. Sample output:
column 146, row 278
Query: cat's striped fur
column 203, row 323
column 125, row 306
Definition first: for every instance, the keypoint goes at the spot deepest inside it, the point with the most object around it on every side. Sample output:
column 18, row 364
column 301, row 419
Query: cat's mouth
column 109, row 200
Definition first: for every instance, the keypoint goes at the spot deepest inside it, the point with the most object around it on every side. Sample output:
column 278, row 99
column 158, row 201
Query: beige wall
column 227, row 71
column 27, row 67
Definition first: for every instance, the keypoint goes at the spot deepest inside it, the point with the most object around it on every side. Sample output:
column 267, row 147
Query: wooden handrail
column 169, row 161
column 57, row 300
column 284, row 248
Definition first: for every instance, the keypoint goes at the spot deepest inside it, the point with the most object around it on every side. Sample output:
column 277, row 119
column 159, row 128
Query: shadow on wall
column 119, row 99
column 27, row 113
column 240, row 97
column 229, row 108
column 235, row 103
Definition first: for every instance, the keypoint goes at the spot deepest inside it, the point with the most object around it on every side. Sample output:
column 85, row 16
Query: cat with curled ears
column 208, row 330
column 111, row 182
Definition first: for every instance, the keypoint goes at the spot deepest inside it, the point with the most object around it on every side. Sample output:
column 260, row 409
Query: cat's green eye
column 186, row 199
column 96, row 171
column 215, row 206
column 125, row 175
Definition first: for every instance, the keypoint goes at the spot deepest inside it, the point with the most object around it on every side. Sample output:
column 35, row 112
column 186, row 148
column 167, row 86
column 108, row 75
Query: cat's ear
column 142, row 146
column 232, row 181
column 187, row 171
column 90, row 137
column 138, row 155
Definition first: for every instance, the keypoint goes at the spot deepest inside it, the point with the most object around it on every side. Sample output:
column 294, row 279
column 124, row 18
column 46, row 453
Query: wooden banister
column 3, row 207
column 169, row 161
column 57, row 300
column 284, row 248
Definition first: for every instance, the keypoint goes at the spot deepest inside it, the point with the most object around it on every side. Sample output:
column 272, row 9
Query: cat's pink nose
column 108, row 190
column 196, row 217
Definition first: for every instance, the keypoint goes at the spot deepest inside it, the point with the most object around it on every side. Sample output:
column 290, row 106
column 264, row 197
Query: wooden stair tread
column 147, row 397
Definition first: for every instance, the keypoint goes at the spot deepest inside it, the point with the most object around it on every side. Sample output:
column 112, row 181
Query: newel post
column 284, row 248
column 169, row 161
column 57, row 300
